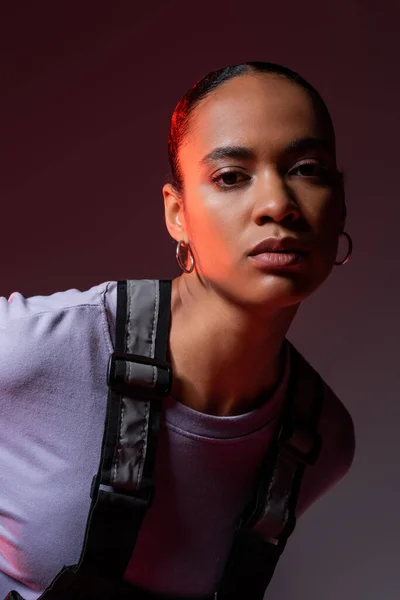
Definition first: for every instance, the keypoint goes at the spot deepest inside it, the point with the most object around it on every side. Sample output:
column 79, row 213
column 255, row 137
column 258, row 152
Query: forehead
column 254, row 110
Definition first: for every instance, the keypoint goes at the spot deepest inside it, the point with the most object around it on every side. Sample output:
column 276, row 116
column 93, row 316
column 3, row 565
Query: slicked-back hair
column 181, row 116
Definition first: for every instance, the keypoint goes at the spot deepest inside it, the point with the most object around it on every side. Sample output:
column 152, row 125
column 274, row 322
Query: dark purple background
column 86, row 96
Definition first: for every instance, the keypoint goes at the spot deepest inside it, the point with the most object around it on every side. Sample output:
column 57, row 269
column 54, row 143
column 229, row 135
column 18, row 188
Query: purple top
column 54, row 352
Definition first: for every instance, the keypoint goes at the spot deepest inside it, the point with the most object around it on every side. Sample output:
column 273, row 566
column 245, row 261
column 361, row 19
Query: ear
column 174, row 213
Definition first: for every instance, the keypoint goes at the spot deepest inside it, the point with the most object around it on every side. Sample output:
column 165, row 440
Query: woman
column 256, row 206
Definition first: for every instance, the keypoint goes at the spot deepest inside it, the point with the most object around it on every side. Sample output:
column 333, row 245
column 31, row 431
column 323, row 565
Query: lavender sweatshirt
column 54, row 352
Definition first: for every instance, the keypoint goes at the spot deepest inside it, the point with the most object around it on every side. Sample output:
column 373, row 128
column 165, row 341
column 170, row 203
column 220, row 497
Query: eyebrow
column 242, row 153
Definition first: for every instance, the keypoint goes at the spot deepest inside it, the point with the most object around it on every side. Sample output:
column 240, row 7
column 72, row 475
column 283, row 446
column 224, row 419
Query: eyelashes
column 228, row 179
column 228, row 175
column 322, row 169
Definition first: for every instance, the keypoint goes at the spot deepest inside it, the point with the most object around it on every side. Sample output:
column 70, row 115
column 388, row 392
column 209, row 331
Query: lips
column 287, row 244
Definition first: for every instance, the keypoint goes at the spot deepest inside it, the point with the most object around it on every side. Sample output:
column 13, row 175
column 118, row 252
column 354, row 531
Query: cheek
column 213, row 226
column 326, row 223
column 323, row 214
column 321, row 210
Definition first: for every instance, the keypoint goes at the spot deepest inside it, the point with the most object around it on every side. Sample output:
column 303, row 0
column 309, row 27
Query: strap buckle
column 116, row 376
column 144, row 496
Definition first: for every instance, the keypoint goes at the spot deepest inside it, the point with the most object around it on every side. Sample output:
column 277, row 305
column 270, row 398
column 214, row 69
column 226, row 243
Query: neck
column 224, row 357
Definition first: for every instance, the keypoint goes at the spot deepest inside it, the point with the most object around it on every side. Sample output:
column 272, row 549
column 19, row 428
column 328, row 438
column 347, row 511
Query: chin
column 276, row 291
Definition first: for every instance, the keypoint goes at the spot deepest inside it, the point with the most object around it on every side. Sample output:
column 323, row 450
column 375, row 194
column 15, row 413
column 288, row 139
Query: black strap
column 119, row 500
column 117, row 515
column 265, row 525
column 83, row 586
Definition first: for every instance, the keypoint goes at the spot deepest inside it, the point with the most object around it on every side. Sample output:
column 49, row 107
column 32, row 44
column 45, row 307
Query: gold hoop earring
column 189, row 253
column 349, row 251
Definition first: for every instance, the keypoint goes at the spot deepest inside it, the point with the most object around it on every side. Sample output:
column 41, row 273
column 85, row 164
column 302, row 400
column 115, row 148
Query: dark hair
column 183, row 110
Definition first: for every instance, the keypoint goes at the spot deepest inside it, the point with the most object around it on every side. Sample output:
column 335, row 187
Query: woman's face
column 246, row 179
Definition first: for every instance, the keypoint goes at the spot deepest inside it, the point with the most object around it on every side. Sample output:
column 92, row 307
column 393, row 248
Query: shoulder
column 39, row 331
column 336, row 428
column 17, row 307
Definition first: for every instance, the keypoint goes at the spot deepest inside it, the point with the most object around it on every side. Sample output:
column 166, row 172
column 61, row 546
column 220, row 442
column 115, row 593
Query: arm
column 338, row 446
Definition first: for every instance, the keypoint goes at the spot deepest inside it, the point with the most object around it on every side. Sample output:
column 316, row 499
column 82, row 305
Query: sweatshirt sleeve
column 54, row 353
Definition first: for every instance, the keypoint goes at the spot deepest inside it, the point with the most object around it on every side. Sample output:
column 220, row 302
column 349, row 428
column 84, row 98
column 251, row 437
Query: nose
column 273, row 200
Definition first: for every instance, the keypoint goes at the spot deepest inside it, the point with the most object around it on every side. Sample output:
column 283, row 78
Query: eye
column 229, row 179
column 310, row 169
